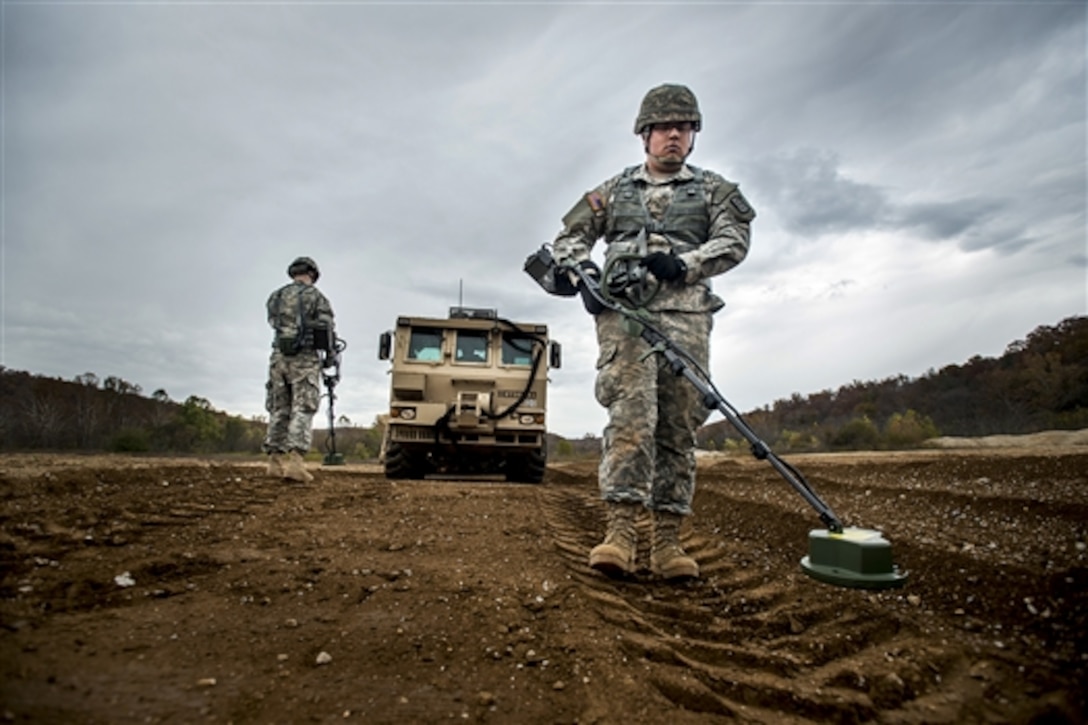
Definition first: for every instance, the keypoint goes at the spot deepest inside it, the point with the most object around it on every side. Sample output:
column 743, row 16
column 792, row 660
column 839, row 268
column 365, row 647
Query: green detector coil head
column 856, row 558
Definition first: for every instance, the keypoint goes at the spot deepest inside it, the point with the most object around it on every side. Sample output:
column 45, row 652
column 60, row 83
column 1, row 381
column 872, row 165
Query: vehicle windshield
column 425, row 345
column 471, row 346
column 517, row 350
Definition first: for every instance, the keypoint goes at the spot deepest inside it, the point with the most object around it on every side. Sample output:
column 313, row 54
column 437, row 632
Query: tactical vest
column 686, row 222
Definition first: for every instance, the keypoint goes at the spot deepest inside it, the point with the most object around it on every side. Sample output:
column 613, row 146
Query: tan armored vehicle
column 468, row 397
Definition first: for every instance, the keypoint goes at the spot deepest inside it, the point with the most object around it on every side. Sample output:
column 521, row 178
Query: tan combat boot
column 275, row 465
column 667, row 558
column 295, row 469
column 615, row 556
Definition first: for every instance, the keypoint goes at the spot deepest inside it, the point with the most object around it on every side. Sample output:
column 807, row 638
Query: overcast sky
column 918, row 170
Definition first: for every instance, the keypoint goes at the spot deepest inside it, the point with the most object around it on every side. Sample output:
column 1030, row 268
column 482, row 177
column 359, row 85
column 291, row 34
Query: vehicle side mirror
column 385, row 345
column 555, row 355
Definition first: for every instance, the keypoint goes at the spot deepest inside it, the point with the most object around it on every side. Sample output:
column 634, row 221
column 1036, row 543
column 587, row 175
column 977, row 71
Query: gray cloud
column 812, row 195
column 814, row 198
column 947, row 220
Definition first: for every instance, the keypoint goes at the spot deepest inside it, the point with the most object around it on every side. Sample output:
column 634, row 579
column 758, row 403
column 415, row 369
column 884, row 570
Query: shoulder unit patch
column 596, row 203
column 741, row 206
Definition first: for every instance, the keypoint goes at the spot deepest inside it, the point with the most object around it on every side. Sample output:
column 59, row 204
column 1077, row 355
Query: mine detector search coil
column 330, row 349
column 842, row 556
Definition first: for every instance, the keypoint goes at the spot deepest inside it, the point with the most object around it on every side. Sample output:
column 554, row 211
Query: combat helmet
column 303, row 265
column 668, row 102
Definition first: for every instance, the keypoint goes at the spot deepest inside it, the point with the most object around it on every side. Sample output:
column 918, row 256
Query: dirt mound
column 1045, row 439
column 150, row 590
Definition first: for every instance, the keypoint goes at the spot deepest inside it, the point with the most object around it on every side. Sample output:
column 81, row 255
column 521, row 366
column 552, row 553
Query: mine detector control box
column 468, row 397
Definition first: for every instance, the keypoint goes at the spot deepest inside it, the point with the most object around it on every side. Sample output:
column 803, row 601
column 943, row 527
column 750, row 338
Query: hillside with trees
column 111, row 414
column 1039, row 383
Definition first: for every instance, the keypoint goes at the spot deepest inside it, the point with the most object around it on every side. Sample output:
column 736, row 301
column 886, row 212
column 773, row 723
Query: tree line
column 1038, row 383
column 112, row 414
column 88, row 413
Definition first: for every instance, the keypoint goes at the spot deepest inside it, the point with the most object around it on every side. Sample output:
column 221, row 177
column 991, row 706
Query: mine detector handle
column 330, row 361
column 682, row 365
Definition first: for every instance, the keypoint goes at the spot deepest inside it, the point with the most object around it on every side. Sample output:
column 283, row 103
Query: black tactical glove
column 563, row 286
column 593, row 273
column 666, row 266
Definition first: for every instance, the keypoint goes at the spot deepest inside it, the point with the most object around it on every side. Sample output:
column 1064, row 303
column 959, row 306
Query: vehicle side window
column 425, row 345
column 471, row 346
column 517, row 351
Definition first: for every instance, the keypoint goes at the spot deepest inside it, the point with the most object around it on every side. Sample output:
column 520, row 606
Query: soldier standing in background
column 682, row 225
column 302, row 319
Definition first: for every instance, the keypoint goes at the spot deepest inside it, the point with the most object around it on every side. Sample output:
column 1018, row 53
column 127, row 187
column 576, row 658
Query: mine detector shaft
column 468, row 397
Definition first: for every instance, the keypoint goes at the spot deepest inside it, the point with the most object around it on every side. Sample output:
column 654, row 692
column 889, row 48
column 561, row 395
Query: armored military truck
column 468, row 397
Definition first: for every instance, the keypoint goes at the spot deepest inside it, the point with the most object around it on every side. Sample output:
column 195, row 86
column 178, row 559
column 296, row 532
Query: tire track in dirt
column 995, row 547
column 746, row 640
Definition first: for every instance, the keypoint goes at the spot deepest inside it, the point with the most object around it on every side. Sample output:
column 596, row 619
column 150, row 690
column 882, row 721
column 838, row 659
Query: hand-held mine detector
column 843, row 556
column 329, row 347
column 468, row 397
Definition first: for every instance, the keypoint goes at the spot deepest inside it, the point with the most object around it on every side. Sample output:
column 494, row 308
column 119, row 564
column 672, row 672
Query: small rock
column 980, row 671
column 889, row 691
column 485, row 698
column 323, row 658
column 206, row 682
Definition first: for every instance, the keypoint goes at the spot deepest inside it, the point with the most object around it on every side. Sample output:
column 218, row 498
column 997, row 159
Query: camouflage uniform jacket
column 694, row 213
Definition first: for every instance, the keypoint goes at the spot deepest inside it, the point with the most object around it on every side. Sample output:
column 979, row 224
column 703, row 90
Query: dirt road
column 167, row 590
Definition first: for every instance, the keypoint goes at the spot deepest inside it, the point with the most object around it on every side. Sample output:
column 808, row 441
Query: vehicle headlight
column 527, row 419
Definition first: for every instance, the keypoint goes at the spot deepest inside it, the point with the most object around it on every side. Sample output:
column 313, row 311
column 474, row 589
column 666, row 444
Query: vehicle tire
column 399, row 463
column 529, row 468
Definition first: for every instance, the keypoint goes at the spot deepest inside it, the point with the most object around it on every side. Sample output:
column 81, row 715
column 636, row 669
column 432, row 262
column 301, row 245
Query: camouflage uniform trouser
column 292, row 398
column 648, row 453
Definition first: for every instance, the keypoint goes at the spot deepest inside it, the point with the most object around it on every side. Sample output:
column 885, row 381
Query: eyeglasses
column 681, row 126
